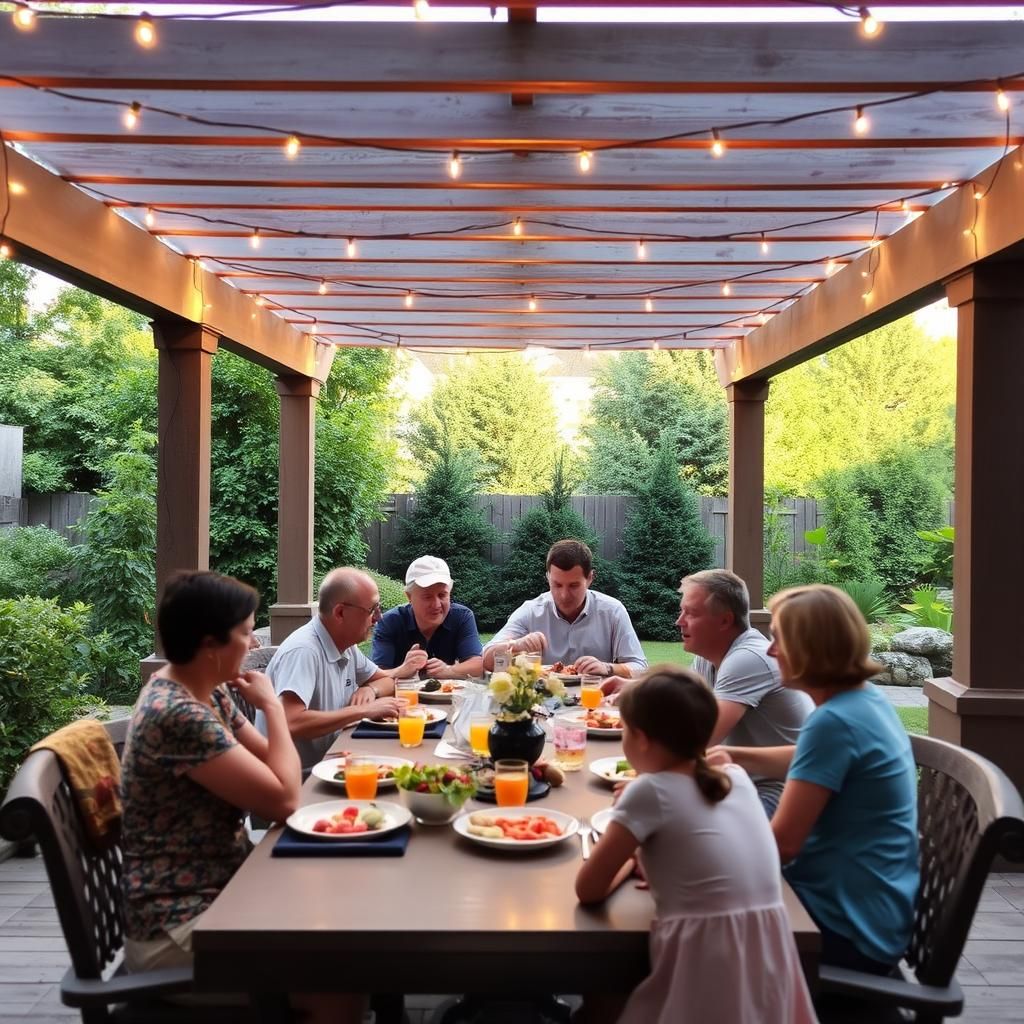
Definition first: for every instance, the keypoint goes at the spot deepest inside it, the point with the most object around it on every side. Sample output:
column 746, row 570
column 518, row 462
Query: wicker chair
column 968, row 813
column 86, row 886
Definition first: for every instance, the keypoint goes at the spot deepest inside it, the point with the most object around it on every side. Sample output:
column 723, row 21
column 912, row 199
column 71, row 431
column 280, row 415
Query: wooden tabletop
column 449, row 916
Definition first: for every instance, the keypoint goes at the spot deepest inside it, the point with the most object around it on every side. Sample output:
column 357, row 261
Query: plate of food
column 612, row 769
column 516, row 828
column 349, row 819
column 599, row 821
column 440, row 691
column 603, row 722
column 564, row 672
column 332, row 770
column 433, row 715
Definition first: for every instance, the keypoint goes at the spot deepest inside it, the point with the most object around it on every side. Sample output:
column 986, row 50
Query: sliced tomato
column 350, row 813
column 323, row 825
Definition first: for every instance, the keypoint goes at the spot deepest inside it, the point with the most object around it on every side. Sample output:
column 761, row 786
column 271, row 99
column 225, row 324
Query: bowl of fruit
column 434, row 793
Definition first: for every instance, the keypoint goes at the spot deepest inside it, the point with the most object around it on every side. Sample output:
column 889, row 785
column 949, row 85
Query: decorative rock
column 902, row 669
column 927, row 642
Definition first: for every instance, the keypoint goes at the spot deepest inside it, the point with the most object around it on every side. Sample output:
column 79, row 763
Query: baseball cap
column 428, row 570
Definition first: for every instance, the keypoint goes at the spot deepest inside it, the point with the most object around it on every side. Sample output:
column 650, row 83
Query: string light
column 150, row 217
column 655, row 346
column 649, row 305
column 869, row 24
column 762, row 318
column 978, row 193
column 517, row 226
column 1002, row 100
column 132, row 116
column 532, row 304
column 764, row 243
column 587, row 354
column 16, row 188
column 24, row 18
column 585, row 160
column 5, row 251
column 717, row 145
column 726, row 290
column 145, row 31
column 408, row 300
column 874, row 243
column 454, row 165
column 860, row 121
column 421, row 8
column 641, row 250
column 292, row 147
column 350, row 248
column 831, row 267
column 323, row 287
column 866, row 296
column 254, row 238
column 260, row 301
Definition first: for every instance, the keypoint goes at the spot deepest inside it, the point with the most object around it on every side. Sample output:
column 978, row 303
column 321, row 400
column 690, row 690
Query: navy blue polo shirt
column 456, row 639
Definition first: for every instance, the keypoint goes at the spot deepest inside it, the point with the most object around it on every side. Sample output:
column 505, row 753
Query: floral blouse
column 181, row 843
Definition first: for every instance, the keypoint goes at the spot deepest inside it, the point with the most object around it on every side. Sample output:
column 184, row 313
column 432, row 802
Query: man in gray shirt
column 571, row 623
column 754, row 708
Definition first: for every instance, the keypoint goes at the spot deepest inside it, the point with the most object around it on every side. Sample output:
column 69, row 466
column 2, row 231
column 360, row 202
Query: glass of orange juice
column 590, row 691
column 408, row 690
column 411, row 723
column 480, row 734
column 360, row 777
column 511, row 783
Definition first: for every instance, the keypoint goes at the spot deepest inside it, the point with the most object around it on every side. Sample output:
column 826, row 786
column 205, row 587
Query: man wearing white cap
column 446, row 631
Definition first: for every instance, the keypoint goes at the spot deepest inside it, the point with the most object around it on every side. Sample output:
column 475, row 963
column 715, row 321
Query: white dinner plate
column 440, row 697
column 568, row 823
column 599, row 821
column 604, row 769
column 326, row 770
column 567, row 678
column 303, row 820
column 608, row 734
column 433, row 715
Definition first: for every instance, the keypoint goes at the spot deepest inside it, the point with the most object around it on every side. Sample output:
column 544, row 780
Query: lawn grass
column 914, row 719
column 655, row 651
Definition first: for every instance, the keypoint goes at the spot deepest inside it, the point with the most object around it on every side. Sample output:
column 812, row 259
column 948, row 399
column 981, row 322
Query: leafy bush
column 869, row 597
column 664, row 540
column 392, row 591
column 849, row 544
column 928, row 610
column 34, row 562
column 43, row 650
column 446, row 522
column 937, row 566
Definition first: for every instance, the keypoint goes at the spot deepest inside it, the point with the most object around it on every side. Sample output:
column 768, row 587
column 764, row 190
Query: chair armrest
column 948, row 999
column 123, row 986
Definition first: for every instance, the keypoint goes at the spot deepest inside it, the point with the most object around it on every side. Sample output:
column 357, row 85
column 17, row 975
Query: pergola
column 291, row 187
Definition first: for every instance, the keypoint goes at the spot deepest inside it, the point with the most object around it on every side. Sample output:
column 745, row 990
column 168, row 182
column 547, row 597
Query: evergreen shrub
column 34, row 562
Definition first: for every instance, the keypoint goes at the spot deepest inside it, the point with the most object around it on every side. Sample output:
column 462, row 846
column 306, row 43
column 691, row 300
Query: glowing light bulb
column 762, row 318
column 260, row 301
column 254, row 238
column 978, row 193
column 860, row 121
column 323, row 287
column 145, row 31
column 764, row 243
column 132, row 116
column 532, row 304
column 869, row 24
column 150, row 217
column 830, row 268
column 866, row 296
column 16, row 188
column 24, row 18
column 587, row 354
column 726, row 290
column 641, row 251
column 874, row 243
column 717, row 145
column 5, row 251
column 350, row 249
column 649, row 305
column 408, row 300
column 655, row 346
column 585, row 160
column 454, row 165
column 1002, row 100
column 517, row 227
column 421, row 8
column 292, row 147
column 968, row 232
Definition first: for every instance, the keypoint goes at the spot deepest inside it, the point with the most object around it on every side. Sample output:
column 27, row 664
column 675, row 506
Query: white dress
column 721, row 945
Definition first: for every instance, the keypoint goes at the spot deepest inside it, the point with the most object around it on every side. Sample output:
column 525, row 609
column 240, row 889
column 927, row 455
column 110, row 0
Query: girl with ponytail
column 721, row 943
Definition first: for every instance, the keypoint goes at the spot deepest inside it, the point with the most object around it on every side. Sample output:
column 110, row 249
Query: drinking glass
column 511, row 783
column 360, row 777
column 590, row 691
column 570, row 739
column 533, row 660
column 411, row 723
column 408, row 690
column 502, row 658
column 480, row 734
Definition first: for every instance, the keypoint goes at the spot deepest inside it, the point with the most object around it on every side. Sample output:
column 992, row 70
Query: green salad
column 456, row 785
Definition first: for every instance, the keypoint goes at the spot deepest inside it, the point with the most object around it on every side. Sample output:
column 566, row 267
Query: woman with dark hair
column 721, row 944
column 846, row 825
column 193, row 765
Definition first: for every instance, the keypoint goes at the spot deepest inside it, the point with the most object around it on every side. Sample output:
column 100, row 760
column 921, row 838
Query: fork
column 586, row 833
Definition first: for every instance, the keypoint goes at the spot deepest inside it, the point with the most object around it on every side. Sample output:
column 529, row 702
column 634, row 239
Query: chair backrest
column 968, row 813
column 256, row 660
column 86, row 882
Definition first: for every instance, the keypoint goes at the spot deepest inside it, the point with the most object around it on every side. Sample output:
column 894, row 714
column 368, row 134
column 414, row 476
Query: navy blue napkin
column 376, row 731
column 297, row 844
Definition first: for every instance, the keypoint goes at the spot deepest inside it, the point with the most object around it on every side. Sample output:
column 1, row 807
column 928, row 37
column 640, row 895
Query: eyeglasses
column 375, row 610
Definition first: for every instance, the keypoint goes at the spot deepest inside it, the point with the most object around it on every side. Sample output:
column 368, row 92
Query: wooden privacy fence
column 60, row 512
column 605, row 513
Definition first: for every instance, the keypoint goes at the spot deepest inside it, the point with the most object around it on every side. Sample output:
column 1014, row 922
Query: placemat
column 296, row 844
column 374, row 731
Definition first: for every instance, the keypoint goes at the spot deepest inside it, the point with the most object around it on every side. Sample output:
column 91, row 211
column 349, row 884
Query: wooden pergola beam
column 904, row 273
column 57, row 228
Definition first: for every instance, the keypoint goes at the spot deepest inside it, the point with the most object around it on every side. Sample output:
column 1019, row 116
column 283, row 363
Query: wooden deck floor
column 33, row 956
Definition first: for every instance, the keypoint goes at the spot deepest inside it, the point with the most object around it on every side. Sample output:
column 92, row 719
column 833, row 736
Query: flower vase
column 521, row 741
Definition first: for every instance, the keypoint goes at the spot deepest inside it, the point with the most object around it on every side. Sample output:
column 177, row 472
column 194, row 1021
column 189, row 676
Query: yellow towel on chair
column 94, row 773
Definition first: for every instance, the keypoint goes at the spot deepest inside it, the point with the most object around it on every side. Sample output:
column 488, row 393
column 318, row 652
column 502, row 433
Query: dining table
column 448, row 916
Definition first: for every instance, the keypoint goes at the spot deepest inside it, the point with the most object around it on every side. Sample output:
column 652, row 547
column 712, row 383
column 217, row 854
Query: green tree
column 642, row 395
column 664, row 540
column 446, row 521
column 499, row 407
column 859, row 401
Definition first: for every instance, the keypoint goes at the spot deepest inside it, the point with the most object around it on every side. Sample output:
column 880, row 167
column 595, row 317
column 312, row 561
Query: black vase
column 521, row 741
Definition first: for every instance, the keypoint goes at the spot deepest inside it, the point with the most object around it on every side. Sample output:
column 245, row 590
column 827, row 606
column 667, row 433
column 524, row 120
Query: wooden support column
column 295, row 505
column 982, row 706
column 744, row 542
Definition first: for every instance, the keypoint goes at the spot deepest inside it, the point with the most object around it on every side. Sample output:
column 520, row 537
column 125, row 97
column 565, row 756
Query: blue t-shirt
column 456, row 639
column 857, row 873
